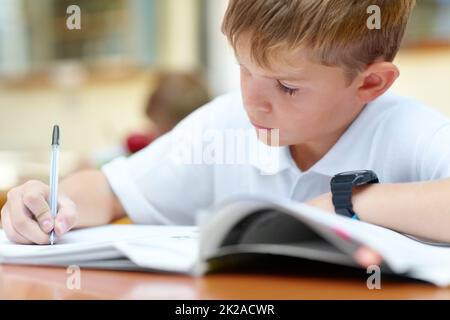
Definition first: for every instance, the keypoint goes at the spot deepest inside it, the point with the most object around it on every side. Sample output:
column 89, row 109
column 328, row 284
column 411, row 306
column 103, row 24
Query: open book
column 244, row 226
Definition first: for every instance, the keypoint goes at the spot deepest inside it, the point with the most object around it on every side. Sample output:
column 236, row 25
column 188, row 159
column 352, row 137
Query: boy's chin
column 272, row 142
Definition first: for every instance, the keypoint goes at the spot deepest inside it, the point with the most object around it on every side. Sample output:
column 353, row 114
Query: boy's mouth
column 257, row 126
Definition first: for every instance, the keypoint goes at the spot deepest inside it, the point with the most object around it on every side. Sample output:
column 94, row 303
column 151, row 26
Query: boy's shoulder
column 398, row 114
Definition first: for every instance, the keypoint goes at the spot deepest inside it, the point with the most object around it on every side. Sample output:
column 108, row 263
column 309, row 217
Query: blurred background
column 135, row 68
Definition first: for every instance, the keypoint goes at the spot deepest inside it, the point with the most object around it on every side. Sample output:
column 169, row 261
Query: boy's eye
column 286, row 89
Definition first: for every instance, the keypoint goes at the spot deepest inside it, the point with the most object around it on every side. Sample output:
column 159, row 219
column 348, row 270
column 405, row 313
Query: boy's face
column 307, row 102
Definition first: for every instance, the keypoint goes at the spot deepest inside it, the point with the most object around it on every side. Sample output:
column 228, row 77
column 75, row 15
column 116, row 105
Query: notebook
column 245, row 226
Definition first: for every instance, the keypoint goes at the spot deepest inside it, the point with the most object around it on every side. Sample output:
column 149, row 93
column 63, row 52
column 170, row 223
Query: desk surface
column 23, row 282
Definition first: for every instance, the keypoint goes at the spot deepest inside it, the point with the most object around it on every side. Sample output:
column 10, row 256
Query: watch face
column 357, row 172
column 356, row 177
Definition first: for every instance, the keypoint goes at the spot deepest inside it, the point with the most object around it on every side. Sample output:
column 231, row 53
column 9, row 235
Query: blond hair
column 333, row 32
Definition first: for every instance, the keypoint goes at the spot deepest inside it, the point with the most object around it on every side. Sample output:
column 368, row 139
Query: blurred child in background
column 176, row 95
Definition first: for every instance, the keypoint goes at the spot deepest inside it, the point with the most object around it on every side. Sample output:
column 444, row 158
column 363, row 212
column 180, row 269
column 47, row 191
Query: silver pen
column 54, row 164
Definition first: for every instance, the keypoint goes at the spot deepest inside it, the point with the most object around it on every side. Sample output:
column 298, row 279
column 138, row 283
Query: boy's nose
column 263, row 108
column 258, row 105
column 254, row 97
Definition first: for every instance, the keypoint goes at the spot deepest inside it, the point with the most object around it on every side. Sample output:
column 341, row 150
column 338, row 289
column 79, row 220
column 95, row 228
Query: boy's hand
column 365, row 256
column 26, row 216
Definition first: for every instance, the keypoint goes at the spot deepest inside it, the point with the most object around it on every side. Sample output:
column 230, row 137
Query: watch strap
column 342, row 198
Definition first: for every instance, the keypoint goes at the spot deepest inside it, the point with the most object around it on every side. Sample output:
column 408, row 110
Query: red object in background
column 138, row 141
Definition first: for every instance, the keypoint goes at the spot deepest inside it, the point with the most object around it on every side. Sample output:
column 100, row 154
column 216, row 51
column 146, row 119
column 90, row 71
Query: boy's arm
column 85, row 199
column 420, row 209
column 96, row 203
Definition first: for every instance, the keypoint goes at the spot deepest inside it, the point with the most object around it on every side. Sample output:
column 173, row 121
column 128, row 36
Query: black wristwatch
column 341, row 188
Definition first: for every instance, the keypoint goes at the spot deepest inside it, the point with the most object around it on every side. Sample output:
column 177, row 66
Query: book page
column 403, row 254
column 148, row 246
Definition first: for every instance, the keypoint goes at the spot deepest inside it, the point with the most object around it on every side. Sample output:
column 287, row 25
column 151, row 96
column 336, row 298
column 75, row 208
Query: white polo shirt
column 199, row 163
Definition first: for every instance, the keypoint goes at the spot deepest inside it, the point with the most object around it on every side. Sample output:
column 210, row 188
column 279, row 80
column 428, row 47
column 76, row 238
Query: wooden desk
column 314, row 281
column 20, row 282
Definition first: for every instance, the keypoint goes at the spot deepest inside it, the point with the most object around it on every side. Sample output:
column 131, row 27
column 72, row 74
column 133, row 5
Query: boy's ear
column 376, row 80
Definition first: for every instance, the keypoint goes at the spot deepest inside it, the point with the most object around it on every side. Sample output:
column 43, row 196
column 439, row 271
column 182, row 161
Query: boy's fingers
column 67, row 216
column 22, row 222
column 366, row 257
column 10, row 232
column 38, row 206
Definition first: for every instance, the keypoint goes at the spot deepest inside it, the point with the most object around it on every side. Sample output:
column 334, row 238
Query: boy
column 315, row 74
